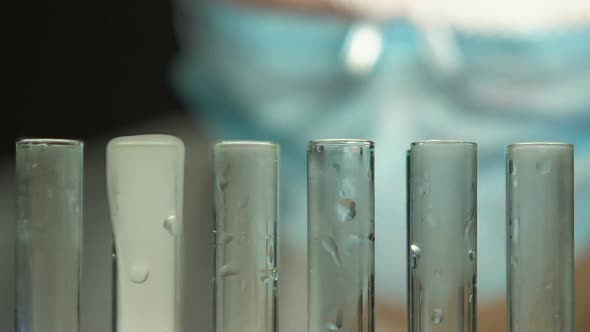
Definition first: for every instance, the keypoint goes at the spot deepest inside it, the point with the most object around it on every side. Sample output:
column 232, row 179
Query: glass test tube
column 246, row 273
column 49, row 234
column 145, row 189
column 540, row 227
column 442, row 233
column 341, row 236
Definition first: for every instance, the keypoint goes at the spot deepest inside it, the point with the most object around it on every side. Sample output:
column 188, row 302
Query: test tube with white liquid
column 145, row 188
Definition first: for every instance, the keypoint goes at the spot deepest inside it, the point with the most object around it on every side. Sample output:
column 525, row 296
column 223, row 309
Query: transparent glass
column 49, row 234
column 246, row 272
column 341, row 226
column 442, row 236
column 540, row 239
column 145, row 176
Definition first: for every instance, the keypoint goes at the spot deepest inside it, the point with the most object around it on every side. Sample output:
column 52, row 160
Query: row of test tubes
column 145, row 185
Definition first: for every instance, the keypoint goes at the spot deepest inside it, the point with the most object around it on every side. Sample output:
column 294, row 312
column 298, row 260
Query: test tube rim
column 443, row 142
column 540, row 146
column 340, row 142
column 246, row 144
column 46, row 142
column 135, row 141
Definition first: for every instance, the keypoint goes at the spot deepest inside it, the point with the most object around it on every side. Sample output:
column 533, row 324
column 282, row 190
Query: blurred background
column 395, row 71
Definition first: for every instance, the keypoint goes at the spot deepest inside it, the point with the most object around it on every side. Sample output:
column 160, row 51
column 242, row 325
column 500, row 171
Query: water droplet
column 469, row 225
column 333, row 327
column 549, row 285
column 227, row 271
column 514, row 183
column 222, row 183
column 557, row 322
column 224, row 238
column 514, row 260
column 331, row 248
column 336, row 166
column 139, row 274
column 371, row 236
column 337, row 323
column 543, row 166
column 346, row 209
column 414, row 256
column 268, row 275
column 472, row 255
column 319, row 148
column 170, row 225
column 510, row 167
column 437, row 316
column 34, row 165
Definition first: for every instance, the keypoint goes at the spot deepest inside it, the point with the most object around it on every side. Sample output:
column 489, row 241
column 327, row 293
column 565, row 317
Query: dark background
column 94, row 70
column 85, row 68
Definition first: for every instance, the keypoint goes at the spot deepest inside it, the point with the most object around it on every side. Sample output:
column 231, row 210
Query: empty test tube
column 145, row 188
column 246, row 273
column 442, row 234
column 341, row 236
column 540, row 227
column 49, row 234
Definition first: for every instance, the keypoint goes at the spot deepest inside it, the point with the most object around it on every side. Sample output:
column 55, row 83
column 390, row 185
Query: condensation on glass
column 442, row 236
column 145, row 189
column 49, row 234
column 245, row 194
column 341, row 236
column 540, row 236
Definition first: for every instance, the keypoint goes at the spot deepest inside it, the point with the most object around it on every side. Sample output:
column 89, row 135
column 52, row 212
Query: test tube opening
column 47, row 142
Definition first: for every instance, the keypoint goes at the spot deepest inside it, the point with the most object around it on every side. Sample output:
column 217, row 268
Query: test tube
column 49, row 234
column 540, row 239
column 341, row 210
column 145, row 189
column 245, row 196
column 442, row 233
